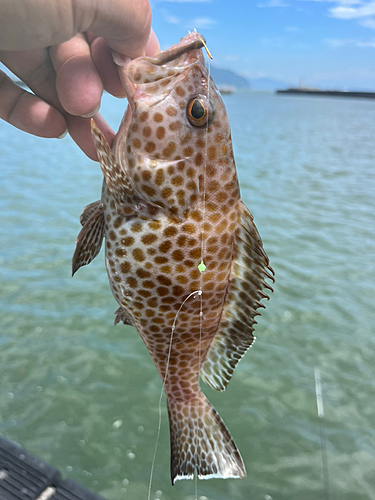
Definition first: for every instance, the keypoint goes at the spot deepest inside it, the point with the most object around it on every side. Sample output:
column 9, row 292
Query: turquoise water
column 83, row 394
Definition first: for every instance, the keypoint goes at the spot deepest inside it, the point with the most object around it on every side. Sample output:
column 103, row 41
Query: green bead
column 202, row 267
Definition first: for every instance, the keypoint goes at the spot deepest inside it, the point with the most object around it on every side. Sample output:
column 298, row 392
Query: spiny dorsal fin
column 89, row 240
column 235, row 334
column 88, row 211
column 116, row 179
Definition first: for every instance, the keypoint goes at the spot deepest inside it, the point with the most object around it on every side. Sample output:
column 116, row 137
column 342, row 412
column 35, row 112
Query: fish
column 184, row 259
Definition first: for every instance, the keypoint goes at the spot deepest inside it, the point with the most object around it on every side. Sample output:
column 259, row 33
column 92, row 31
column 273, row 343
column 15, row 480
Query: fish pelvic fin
column 90, row 238
column 122, row 315
column 88, row 211
column 117, row 180
column 250, row 268
column 201, row 442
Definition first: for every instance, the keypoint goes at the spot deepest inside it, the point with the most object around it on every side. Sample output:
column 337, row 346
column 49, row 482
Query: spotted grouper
column 184, row 259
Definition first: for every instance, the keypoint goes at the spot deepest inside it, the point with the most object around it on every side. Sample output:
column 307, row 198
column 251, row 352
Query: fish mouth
column 138, row 74
column 192, row 41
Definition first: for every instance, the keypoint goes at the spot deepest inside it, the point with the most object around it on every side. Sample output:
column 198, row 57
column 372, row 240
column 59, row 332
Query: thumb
column 125, row 25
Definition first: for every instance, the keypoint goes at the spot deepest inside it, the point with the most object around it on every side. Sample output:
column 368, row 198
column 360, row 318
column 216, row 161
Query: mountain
column 225, row 77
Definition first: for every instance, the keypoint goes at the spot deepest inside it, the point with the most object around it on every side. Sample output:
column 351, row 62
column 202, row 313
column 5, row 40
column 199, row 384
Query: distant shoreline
column 329, row 93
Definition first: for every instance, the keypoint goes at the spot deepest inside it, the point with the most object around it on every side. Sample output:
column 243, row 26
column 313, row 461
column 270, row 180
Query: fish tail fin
column 201, row 442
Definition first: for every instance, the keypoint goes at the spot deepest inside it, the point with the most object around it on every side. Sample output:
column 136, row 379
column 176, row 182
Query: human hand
column 62, row 51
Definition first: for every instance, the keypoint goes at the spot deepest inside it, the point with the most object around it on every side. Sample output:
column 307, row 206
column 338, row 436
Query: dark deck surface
column 25, row 477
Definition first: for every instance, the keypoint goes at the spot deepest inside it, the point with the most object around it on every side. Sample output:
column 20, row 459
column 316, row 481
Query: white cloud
column 169, row 18
column 172, row 19
column 273, row 41
column 345, row 12
column 293, row 29
column 231, row 57
column 348, row 2
column 345, row 75
column 368, row 23
column 337, row 43
column 340, row 2
column 361, row 10
column 186, row 1
column 274, row 3
column 203, row 22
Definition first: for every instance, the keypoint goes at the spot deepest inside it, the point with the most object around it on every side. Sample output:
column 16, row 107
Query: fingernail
column 153, row 45
column 89, row 115
column 63, row 135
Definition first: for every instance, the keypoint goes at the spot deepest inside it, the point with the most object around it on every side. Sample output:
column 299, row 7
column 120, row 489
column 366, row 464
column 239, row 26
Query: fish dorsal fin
column 89, row 240
column 117, row 180
column 88, row 211
column 250, row 267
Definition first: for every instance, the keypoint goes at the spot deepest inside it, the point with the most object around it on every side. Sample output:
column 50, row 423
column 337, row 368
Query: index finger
column 78, row 84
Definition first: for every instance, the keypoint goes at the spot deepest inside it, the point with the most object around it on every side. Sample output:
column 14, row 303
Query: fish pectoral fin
column 89, row 240
column 201, row 442
column 88, row 211
column 116, row 179
column 250, row 268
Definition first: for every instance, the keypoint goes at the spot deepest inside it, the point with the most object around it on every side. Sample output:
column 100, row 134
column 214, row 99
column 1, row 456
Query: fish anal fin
column 250, row 268
column 116, row 178
column 201, row 442
column 89, row 240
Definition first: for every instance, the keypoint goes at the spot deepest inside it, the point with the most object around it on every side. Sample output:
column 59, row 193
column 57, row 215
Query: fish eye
column 197, row 111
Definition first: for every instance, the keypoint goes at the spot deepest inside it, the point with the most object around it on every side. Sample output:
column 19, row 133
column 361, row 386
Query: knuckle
column 39, row 76
column 4, row 79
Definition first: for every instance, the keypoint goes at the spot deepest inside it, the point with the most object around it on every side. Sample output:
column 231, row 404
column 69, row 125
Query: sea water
column 83, row 395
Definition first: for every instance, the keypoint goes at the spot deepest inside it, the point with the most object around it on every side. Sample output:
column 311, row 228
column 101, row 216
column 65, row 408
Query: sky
column 328, row 43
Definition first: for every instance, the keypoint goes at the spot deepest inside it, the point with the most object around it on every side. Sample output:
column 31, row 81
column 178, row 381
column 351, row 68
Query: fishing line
column 196, row 484
column 196, row 292
column 323, row 441
column 201, row 268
